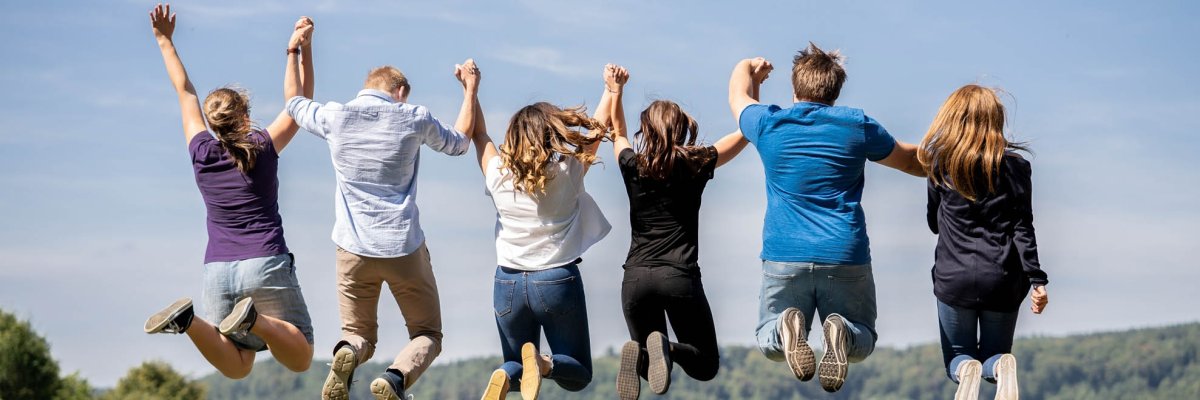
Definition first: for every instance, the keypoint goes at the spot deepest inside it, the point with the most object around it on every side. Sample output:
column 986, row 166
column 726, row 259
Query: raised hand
column 760, row 68
column 468, row 74
column 615, row 77
column 302, row 34
column 1040, row 299
column 163, row 21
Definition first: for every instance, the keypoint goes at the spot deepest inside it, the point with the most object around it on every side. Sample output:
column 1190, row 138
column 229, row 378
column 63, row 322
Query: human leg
column 560, row 308
column 358, row 286
column 696, row 350
column 413, row 285
column 515, row 321
column 784, row 286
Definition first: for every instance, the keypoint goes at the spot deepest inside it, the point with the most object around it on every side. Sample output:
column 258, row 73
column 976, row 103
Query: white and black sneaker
column 658, row 371
column 241, row 319
column 1006, row 378
column 176, row 318
column 629, row 384
column 341, row 373
column 968, row 374
column 832, row 372
column 797, row 352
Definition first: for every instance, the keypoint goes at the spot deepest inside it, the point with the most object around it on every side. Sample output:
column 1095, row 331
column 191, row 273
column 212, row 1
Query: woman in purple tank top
column 249, row 283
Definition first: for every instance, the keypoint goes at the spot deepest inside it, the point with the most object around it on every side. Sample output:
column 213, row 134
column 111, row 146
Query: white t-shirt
column 549, row 230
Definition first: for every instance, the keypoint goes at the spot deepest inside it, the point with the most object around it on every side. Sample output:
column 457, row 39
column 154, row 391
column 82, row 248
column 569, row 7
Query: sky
column 102, row 224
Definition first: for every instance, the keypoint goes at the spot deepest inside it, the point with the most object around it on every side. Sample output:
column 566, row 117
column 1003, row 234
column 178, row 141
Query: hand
column 615, row 77
column 302, row 34
column 760, row 68
column 1040, row 299
column 468, row 73
column 163, row 21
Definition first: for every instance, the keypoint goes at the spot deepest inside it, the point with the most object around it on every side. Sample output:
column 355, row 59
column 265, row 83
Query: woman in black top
column 665, row 178
column 986, row 258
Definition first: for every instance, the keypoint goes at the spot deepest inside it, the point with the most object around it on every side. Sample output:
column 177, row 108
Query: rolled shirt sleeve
column 307, row 114
column 440, row 136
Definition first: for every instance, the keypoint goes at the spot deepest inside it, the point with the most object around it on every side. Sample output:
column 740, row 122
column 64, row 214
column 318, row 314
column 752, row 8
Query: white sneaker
column 1006, row 378
column 968, row 374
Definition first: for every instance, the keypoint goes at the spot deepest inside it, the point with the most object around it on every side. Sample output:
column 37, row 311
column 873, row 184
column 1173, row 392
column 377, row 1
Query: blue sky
column 103, row 225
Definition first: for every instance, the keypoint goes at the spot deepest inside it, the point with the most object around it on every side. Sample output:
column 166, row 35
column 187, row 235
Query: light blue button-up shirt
column 376, row 146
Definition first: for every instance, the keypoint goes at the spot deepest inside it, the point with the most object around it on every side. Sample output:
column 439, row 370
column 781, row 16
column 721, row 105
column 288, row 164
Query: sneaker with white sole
column 241, row 319
column 388, row 386
column 341, row 373
column 176, row 318
column 833, row 367
column 1006, row 378
column 497, row 387
column 531, row 373
column 658, row 372
column 797, row 352
column 968, row 374
column 629, row 384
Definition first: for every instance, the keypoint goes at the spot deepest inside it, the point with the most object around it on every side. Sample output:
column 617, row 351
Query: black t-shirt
column 664, row 215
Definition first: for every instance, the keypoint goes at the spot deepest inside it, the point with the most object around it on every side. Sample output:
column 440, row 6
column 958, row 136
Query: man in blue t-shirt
column 816, row 255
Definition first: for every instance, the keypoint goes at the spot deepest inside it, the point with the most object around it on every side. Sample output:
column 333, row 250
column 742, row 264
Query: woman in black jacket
column 986, row 258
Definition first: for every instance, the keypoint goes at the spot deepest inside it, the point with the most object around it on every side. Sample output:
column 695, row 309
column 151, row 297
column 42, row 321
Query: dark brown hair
column 817, row 75
column 228, row 113
column 667, row 135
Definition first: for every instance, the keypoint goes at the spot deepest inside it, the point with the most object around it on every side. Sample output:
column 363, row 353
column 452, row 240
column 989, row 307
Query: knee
column 771, row 352
column 574, row 386
column 706, row 373
column 236, row 371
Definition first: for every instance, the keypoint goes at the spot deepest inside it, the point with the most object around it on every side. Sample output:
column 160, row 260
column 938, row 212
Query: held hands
column 615, row 77
column 163, row 21
column 302, row 35
column 1040, row 299
column 760, row 68
column 468, row 74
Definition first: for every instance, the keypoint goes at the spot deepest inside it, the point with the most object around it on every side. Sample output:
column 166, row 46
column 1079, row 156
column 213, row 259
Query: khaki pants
column 410, row 279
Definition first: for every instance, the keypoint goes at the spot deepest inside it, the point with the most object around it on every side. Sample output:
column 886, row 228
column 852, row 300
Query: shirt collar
column 376, row 93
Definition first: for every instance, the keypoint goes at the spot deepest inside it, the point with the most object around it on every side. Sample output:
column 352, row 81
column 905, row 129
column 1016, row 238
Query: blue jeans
column 847, row 290
column 551, row 300
column 975, row 335
column 271, row 281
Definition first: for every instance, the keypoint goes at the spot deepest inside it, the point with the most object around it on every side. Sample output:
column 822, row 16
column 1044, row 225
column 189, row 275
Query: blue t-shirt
column 814, row 155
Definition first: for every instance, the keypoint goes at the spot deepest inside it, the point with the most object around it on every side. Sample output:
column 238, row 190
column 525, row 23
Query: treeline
column 1158, row 363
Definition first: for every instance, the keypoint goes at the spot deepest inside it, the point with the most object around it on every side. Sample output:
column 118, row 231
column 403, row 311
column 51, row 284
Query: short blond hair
column 386, row 78
column 817, row 75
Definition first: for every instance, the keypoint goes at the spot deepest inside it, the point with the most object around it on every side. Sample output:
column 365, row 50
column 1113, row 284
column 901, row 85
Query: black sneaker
column 629, row 385
column 388, row 386
column 176, row 318
column 341, row 373
column 800, row 357
column 659, row 370
column 241, row 319
column 834, row 364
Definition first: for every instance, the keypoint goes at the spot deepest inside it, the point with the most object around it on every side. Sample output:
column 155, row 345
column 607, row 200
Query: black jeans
column 651, row 295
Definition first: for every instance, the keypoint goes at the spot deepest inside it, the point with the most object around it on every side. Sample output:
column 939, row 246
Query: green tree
column 155, row 380
column 26, row 369
column 73, row 387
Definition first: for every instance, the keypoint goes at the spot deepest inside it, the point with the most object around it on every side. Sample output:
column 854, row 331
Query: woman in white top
column 545, row 220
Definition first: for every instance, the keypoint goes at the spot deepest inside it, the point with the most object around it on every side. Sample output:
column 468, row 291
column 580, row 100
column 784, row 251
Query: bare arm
column 468, row 75
column 615, row 77
column 296, row 82
column 744, row 83
column 904, row 159
column 729, row 146
column 485, row 150
column 163, row 23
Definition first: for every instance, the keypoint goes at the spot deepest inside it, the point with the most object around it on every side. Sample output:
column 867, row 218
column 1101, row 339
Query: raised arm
column 615, row 77
column 163, row 23
column 485, row 150
column 467, row 74
column 744, row 83
column 297, row 81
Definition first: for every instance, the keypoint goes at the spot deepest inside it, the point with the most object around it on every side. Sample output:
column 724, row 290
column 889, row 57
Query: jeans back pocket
column 502, row 296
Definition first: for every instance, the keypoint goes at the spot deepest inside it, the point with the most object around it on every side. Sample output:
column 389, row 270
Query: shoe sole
column 629, row 385
column 1006, row 378
column 797, row 352
column 968, row 380
column 531, row 375
column 833, row 367
column 659, row 370
column 497, row 387
column 383, row 390
column 160, row 319
column 341, row 371
column 240, row 310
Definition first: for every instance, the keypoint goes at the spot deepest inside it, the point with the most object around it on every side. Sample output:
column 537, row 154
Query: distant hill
column 1157, row 363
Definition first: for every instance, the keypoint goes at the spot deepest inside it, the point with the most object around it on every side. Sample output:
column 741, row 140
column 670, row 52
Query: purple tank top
column 243, row 209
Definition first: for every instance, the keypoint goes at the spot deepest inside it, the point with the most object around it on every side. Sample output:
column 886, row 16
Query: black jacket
column 986, row 256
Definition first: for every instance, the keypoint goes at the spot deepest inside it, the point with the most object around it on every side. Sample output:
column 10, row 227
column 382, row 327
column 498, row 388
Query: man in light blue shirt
column 375, row 141
column 816, row 255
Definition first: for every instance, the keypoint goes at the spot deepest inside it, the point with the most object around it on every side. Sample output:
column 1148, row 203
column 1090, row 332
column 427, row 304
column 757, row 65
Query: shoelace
column 172, row 327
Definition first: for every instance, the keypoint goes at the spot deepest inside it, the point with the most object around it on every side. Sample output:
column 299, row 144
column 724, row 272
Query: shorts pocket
column 502, row 296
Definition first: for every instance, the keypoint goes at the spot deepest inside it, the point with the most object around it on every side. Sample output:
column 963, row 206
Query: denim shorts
column 271, row 281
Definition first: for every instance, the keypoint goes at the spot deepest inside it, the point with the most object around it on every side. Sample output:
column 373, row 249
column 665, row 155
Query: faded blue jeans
column 846, row 290
column 975, row 335
column 551, row 300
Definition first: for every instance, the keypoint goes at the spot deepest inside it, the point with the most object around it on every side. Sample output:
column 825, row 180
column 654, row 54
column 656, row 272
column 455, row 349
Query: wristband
column 295, row 50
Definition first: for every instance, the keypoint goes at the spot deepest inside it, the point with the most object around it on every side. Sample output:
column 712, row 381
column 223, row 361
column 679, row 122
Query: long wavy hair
column 228, row 113
column 541, row 133
column 667, row 135
column 966, row 142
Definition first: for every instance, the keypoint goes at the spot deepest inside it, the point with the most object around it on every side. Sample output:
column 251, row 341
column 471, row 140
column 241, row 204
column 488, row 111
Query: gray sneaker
column 176, row 318
column 658, row 372
column 629, row 385
column 832, row 372
column 341, row 374
column 799, row 355
column 241, row 319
